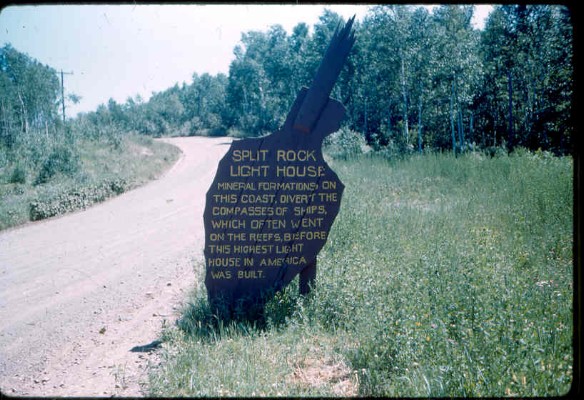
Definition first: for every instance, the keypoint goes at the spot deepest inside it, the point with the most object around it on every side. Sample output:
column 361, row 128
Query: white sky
column 119, row 51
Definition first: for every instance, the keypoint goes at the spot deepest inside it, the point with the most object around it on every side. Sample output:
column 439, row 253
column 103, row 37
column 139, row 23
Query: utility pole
column 63, row 92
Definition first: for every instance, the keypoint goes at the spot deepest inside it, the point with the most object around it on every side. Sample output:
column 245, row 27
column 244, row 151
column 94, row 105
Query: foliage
column 414, row 80
column 526, row 98
column 28, row 95
column 76, row 199
column 458, row 249
column 345, row 143
column 61, row 160
column 18, row 175
column 451, row 278
column 196, row 109
column 77, row 171
column 49, row 166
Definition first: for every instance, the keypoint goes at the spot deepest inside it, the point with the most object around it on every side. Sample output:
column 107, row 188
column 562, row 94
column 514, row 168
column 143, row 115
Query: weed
column 76, row 199
column 345, row 143
column 451, row 278
column 119, row 373
column 74, row 172
column 61, row 160
column 18, row 175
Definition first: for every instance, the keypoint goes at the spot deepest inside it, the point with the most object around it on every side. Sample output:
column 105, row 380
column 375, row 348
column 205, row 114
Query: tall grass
column 450, row 277
column 44, row 175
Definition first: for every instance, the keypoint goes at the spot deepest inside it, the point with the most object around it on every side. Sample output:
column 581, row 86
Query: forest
column 416, row 80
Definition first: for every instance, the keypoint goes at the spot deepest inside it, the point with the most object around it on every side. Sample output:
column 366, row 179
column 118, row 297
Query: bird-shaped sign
column 273, row 201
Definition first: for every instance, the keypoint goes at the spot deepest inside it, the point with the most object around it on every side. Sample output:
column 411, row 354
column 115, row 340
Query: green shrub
column 76, row 199
column 345, row 143
column 76, row 164
column 118, row 186
column 18, row 175
column 235, row 133
column 61, row 160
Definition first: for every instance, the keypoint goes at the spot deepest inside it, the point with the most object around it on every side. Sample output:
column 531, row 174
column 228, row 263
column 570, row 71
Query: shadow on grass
column 202, row 320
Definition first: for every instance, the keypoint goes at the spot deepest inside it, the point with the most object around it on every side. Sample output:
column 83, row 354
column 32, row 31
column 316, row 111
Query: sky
column 120, row 51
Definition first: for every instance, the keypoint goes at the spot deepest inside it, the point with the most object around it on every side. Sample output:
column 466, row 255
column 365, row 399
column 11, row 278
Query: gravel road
column 79, row 292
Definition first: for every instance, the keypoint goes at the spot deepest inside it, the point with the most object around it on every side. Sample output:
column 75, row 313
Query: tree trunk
column 459, row 126
column 365, row 128
column 63, row 95
column 24, row 116
column 200, row 104
column 510, row 135
column 460, row 131
column 470, row 128
column 245, row 102
column 387, row 135
column 420, row 124
column 405, row 101
column 5, row 131
column 452, row 119
column 495, row 122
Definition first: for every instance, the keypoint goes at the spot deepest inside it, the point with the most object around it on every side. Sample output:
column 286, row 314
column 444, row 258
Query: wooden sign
column 273, row 201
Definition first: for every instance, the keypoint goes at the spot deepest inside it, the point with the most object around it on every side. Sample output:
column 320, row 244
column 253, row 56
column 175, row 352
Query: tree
column 260, row 88
column 204, row 102
column 247, row 83
column 378, row 92
column 414, row 79
column 29, row 92
column 457, row 70
column 421, row 28
column 298, row 44
column 527, row 51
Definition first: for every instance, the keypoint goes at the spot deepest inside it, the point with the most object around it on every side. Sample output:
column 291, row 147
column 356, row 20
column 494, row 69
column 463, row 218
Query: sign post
column 274, row 199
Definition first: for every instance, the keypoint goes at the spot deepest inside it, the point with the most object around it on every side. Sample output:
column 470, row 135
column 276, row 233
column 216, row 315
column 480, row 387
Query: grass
column 44, row 176
column 453, row 277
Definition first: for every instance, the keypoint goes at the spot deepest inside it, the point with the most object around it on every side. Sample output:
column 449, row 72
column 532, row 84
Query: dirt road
column 79, row 292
